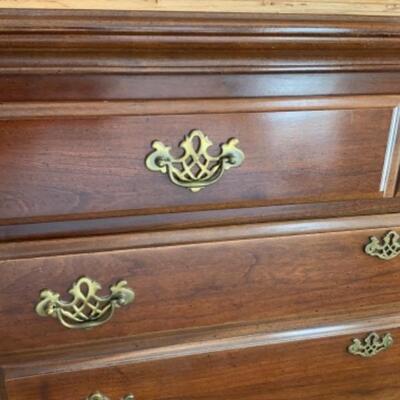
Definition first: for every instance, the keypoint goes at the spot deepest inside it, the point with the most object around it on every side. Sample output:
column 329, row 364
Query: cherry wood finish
column 250, row 289
column 32, row 86
column 177, row 107
column 49, row 169
column 311, row 369
column 183, row 286
column 62, row 41
column 257, row 77
column 98, row 244
column 191, row 342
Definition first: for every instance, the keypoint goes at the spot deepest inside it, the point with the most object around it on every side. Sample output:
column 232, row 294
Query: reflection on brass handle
column 196, row 168
column 371, row 345
column 99, row 396
column 87, row 309
column 385, row 249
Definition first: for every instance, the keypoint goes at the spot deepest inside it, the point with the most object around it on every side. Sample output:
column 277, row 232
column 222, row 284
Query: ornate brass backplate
column 385, row 249
column 87, row 309
column 196, row 168
column 371, row 345
column 99, row 396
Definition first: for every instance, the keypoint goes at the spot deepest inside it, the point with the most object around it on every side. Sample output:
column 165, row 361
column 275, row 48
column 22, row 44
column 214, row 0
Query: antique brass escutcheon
column 196, row 168
column 86, row 309
column 371, row 345
column 387, row 248
column 99, row 396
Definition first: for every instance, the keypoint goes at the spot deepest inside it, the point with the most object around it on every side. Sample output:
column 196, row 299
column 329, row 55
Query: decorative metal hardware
column 387, row 248
column 196, row 168
column 371, row 345
column 99, row 396
column 87, row 309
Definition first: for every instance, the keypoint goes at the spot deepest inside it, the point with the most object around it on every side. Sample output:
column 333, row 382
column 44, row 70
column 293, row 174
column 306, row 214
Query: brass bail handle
column 386, row 248
column 196, row 168
column 372, row 345
column 86, row 309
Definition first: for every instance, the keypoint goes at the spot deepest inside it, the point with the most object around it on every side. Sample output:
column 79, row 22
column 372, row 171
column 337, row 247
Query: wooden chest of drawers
column 199, row 206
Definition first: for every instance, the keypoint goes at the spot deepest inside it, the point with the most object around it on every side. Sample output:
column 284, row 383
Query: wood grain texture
column 101, row 243
column 138, row 224
column 227, row 306
column 58, row 41
column 312, row 369
column 352, row 7
column 177, row 287
column 190, row 342
column 49, row 169
column 105, row 63
column 45, row 110
column 25, row 88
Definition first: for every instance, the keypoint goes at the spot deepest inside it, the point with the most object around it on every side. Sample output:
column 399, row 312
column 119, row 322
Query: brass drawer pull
column 87, row 309
column 196, row 168
column 385, row 249
column 99, row 396
column 371, row 345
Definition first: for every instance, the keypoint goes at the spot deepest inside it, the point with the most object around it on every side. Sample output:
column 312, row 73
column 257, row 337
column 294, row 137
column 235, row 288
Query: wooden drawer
column 299, row 370
column 58, row 168
column 230, row 278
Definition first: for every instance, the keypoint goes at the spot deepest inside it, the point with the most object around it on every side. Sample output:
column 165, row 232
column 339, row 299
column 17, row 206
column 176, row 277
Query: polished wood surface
column 192, row 342
column 223, row 218
column 222, row 84
column 29, row 91
column 55, row 110
column 17, row 250
column 353, row 7
column 311, row 369
column 177, row 287
column 244, row 289
column 338, row 156
column 125, row 42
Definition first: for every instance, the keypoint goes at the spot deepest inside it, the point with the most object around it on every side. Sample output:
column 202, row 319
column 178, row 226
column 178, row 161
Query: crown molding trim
column 148, row 42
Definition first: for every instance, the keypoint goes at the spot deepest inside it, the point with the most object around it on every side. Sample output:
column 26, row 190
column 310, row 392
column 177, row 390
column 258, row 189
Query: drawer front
column 62, row 168
column 197, row 285
column 304, row 370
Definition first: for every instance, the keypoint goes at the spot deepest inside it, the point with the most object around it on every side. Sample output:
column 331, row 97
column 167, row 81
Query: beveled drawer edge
column 126, row 223
column 390, row 173
column 129, row 241
column 65, row 109
column 210, row 340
